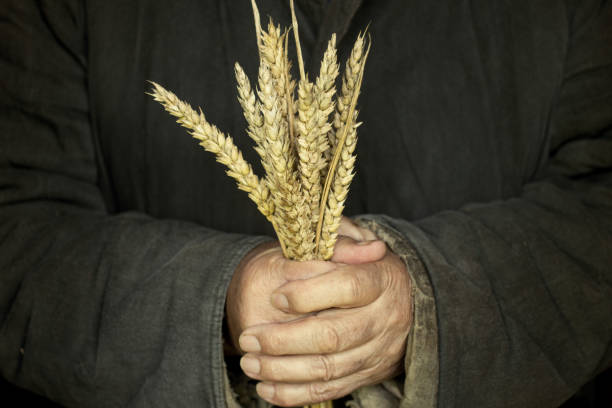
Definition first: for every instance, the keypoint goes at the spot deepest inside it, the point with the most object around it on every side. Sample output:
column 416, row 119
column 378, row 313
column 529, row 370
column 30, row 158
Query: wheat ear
column 308, row 158
column 332, row 204
column 324, row 91
column 315, row 103
column 251, row 109
column 278, row 162
column 338, row 194
column 273, row 52
column 349, row 81
column 214, row 141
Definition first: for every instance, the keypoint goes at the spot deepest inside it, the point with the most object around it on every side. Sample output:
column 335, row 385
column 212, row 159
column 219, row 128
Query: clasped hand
column 315, row 331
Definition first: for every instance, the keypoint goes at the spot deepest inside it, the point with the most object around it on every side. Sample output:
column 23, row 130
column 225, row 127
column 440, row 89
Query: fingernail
column 250, row 344
column 265, row 391
column 280, row 301
column 250, row 365
column 363, row 243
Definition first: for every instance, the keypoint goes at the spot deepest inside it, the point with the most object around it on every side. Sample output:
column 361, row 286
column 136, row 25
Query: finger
column 295, row 369
column 324, row 333
column 349, row 251
column 350, row 229
column 287, row 395
column 343, row 287
column 308, row 368
column 294, row 270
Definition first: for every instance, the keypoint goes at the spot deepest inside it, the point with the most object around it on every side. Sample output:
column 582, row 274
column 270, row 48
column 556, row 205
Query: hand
column 264, row 270
column 352, row 329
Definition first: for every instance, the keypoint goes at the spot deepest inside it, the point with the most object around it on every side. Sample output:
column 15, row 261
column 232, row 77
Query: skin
column 312, row 331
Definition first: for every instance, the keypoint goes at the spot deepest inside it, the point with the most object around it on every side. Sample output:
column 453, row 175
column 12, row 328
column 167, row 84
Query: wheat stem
column 298, row 48
column 279, row 234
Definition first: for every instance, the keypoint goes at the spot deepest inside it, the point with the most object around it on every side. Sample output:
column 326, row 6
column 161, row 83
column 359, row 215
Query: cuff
column 421, row 363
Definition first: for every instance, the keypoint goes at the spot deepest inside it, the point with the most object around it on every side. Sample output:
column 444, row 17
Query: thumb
column 350, row 229
column 349, row 251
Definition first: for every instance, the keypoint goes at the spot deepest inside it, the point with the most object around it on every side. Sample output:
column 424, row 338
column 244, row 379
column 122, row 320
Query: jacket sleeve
column 96, row 310
column 523, row 287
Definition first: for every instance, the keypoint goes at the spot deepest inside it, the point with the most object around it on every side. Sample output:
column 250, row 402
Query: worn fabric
column 486, row 149
column 419, row 381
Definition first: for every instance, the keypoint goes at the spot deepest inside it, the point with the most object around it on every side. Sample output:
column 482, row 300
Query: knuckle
column 273, row 343
column 328, row 339
column 354, row 285
column 389, row 278
column 270, row 370
column 297, row 303
column 393, row 319
column 399, row 320
column 324, row 369
column 283, row 400
column 321, row 391
column 275, row 263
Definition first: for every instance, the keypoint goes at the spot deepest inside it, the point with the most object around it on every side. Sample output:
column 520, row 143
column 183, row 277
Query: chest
column 454, row 104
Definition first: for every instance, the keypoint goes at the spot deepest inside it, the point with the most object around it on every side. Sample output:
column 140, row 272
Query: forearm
column 522, row 294
column 105, row 309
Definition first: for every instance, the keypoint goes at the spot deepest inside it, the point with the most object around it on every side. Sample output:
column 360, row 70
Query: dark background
column 596, row 394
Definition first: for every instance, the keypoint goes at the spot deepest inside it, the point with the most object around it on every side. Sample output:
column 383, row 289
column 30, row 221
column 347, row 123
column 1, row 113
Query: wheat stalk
column 296, row 36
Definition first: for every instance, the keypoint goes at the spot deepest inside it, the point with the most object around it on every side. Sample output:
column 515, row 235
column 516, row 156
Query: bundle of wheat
column 307, row 153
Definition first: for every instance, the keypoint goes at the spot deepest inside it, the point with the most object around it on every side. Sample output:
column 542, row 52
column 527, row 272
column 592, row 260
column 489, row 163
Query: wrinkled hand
column 348, row 327
column 264, row 269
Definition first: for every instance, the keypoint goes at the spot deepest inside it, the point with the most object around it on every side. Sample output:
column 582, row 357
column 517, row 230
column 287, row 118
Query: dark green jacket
column 486, row 144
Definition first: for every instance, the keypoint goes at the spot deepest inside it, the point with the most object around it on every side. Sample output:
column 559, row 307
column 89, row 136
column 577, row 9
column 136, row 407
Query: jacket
column 484, row 159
